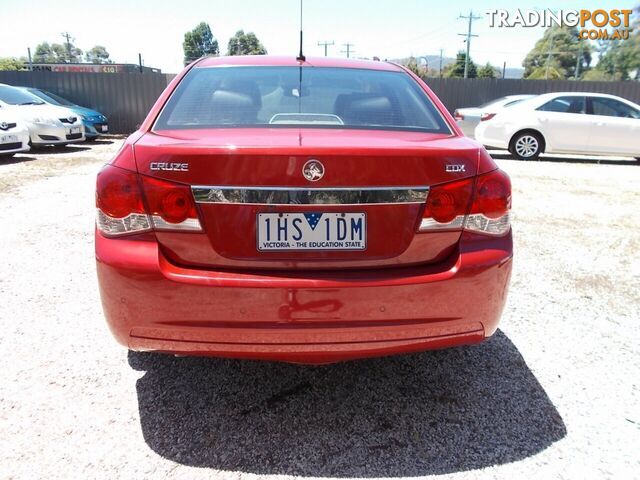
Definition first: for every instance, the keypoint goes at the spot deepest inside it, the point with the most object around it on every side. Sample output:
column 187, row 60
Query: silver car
column 47, row 124
column 469, row 118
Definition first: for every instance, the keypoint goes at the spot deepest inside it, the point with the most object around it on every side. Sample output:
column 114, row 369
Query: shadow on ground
column 429, row 413
column 59, row 149
column 499, row 155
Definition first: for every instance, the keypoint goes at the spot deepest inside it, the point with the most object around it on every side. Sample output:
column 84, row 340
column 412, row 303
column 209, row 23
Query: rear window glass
column 299, row 97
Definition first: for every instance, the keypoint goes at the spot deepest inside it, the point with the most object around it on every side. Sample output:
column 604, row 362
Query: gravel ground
column 554, row 394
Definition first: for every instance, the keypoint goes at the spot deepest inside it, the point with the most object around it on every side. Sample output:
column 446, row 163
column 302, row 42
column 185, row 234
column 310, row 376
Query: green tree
column 57, row 53
column 199, row 42
column 9, row 63
column 245, row 44
column 620, row 59
column 553, row 72
column 559, row 49
column 456, row 69
column 487, row 71
column 598, row 75
column 98, row 54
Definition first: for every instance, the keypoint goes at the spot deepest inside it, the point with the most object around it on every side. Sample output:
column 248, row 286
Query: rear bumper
column 491, row 136
column 301, row 316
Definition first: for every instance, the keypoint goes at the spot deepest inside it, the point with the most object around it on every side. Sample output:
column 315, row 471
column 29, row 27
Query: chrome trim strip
column 309, row 196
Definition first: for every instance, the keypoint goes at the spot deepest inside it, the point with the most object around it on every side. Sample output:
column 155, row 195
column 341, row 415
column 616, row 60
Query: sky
column 384, row 28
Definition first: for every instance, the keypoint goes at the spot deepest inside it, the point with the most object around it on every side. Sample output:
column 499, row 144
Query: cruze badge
column 313, row 170
column 169, row 167
column 454, row 168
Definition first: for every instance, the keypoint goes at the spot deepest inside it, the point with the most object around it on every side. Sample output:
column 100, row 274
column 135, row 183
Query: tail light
column 486, row 116
column 480, row 204
column 491, row 204
column 458, row 116
column 121, row 207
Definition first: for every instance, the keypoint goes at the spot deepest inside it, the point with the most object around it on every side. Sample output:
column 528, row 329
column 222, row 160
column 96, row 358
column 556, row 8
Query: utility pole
column 440, row 69
column 140, row 61
column 68, row 37
column 325, row 44
column 578, row 61
column 471, row 18
column 348, row 50
column 504, row 69
column 546, row 72
column 30, row 61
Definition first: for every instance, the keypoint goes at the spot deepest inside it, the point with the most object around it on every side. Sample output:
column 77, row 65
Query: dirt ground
column 554, row 394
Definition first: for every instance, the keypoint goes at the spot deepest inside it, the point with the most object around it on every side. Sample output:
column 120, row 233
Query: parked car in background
column 94, row 122
column 305, row 211
column 47, row 124
column 14, row 134
column 469, row 118
column 565, row 122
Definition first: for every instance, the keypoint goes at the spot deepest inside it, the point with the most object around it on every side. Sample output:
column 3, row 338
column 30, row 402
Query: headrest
column 366, row 108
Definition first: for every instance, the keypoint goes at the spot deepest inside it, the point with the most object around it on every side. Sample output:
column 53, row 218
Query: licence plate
column 104, row 128
column 8, row 139
column 73, row 130
column 312, row 231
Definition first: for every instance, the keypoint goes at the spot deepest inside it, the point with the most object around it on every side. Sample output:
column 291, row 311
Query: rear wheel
column 6, row 156
column 638, row 159
column 526, row 145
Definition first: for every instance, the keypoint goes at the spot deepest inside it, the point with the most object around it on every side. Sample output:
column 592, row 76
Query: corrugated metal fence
column 126, row 98
column 471, row 92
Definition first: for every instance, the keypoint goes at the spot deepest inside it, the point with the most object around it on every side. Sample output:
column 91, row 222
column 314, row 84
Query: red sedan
column 304, row 211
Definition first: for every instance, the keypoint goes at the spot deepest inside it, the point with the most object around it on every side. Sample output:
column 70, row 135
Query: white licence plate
column 8, row 139
column 312, row 231
column 73, row 130
column 104, row 128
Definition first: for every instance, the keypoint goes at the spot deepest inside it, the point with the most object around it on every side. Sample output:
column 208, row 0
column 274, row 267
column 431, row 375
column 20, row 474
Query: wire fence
column 125, row 98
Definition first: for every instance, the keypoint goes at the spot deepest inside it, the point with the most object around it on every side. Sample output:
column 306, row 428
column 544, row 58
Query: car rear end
column 305, row 212
column 467, row 120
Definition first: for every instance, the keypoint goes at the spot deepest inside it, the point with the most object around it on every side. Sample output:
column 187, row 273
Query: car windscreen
column 310, row 97
column 52, row 98
column 15, row 96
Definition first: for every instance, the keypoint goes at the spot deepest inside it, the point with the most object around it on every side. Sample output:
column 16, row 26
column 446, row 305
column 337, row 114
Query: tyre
column 638, row 159
column 526, row 145
column 6, row 156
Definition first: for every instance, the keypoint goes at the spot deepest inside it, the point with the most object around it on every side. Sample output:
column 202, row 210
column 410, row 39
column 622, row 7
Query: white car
column 469, row 118
column 565, row 122
column 47, row 124
column 14, row 134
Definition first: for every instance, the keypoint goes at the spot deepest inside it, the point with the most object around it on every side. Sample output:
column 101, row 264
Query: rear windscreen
column 299, row 97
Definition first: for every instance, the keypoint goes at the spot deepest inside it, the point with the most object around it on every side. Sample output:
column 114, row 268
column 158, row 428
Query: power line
column 348, row 50
column 326, row 44
column 471, row 18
